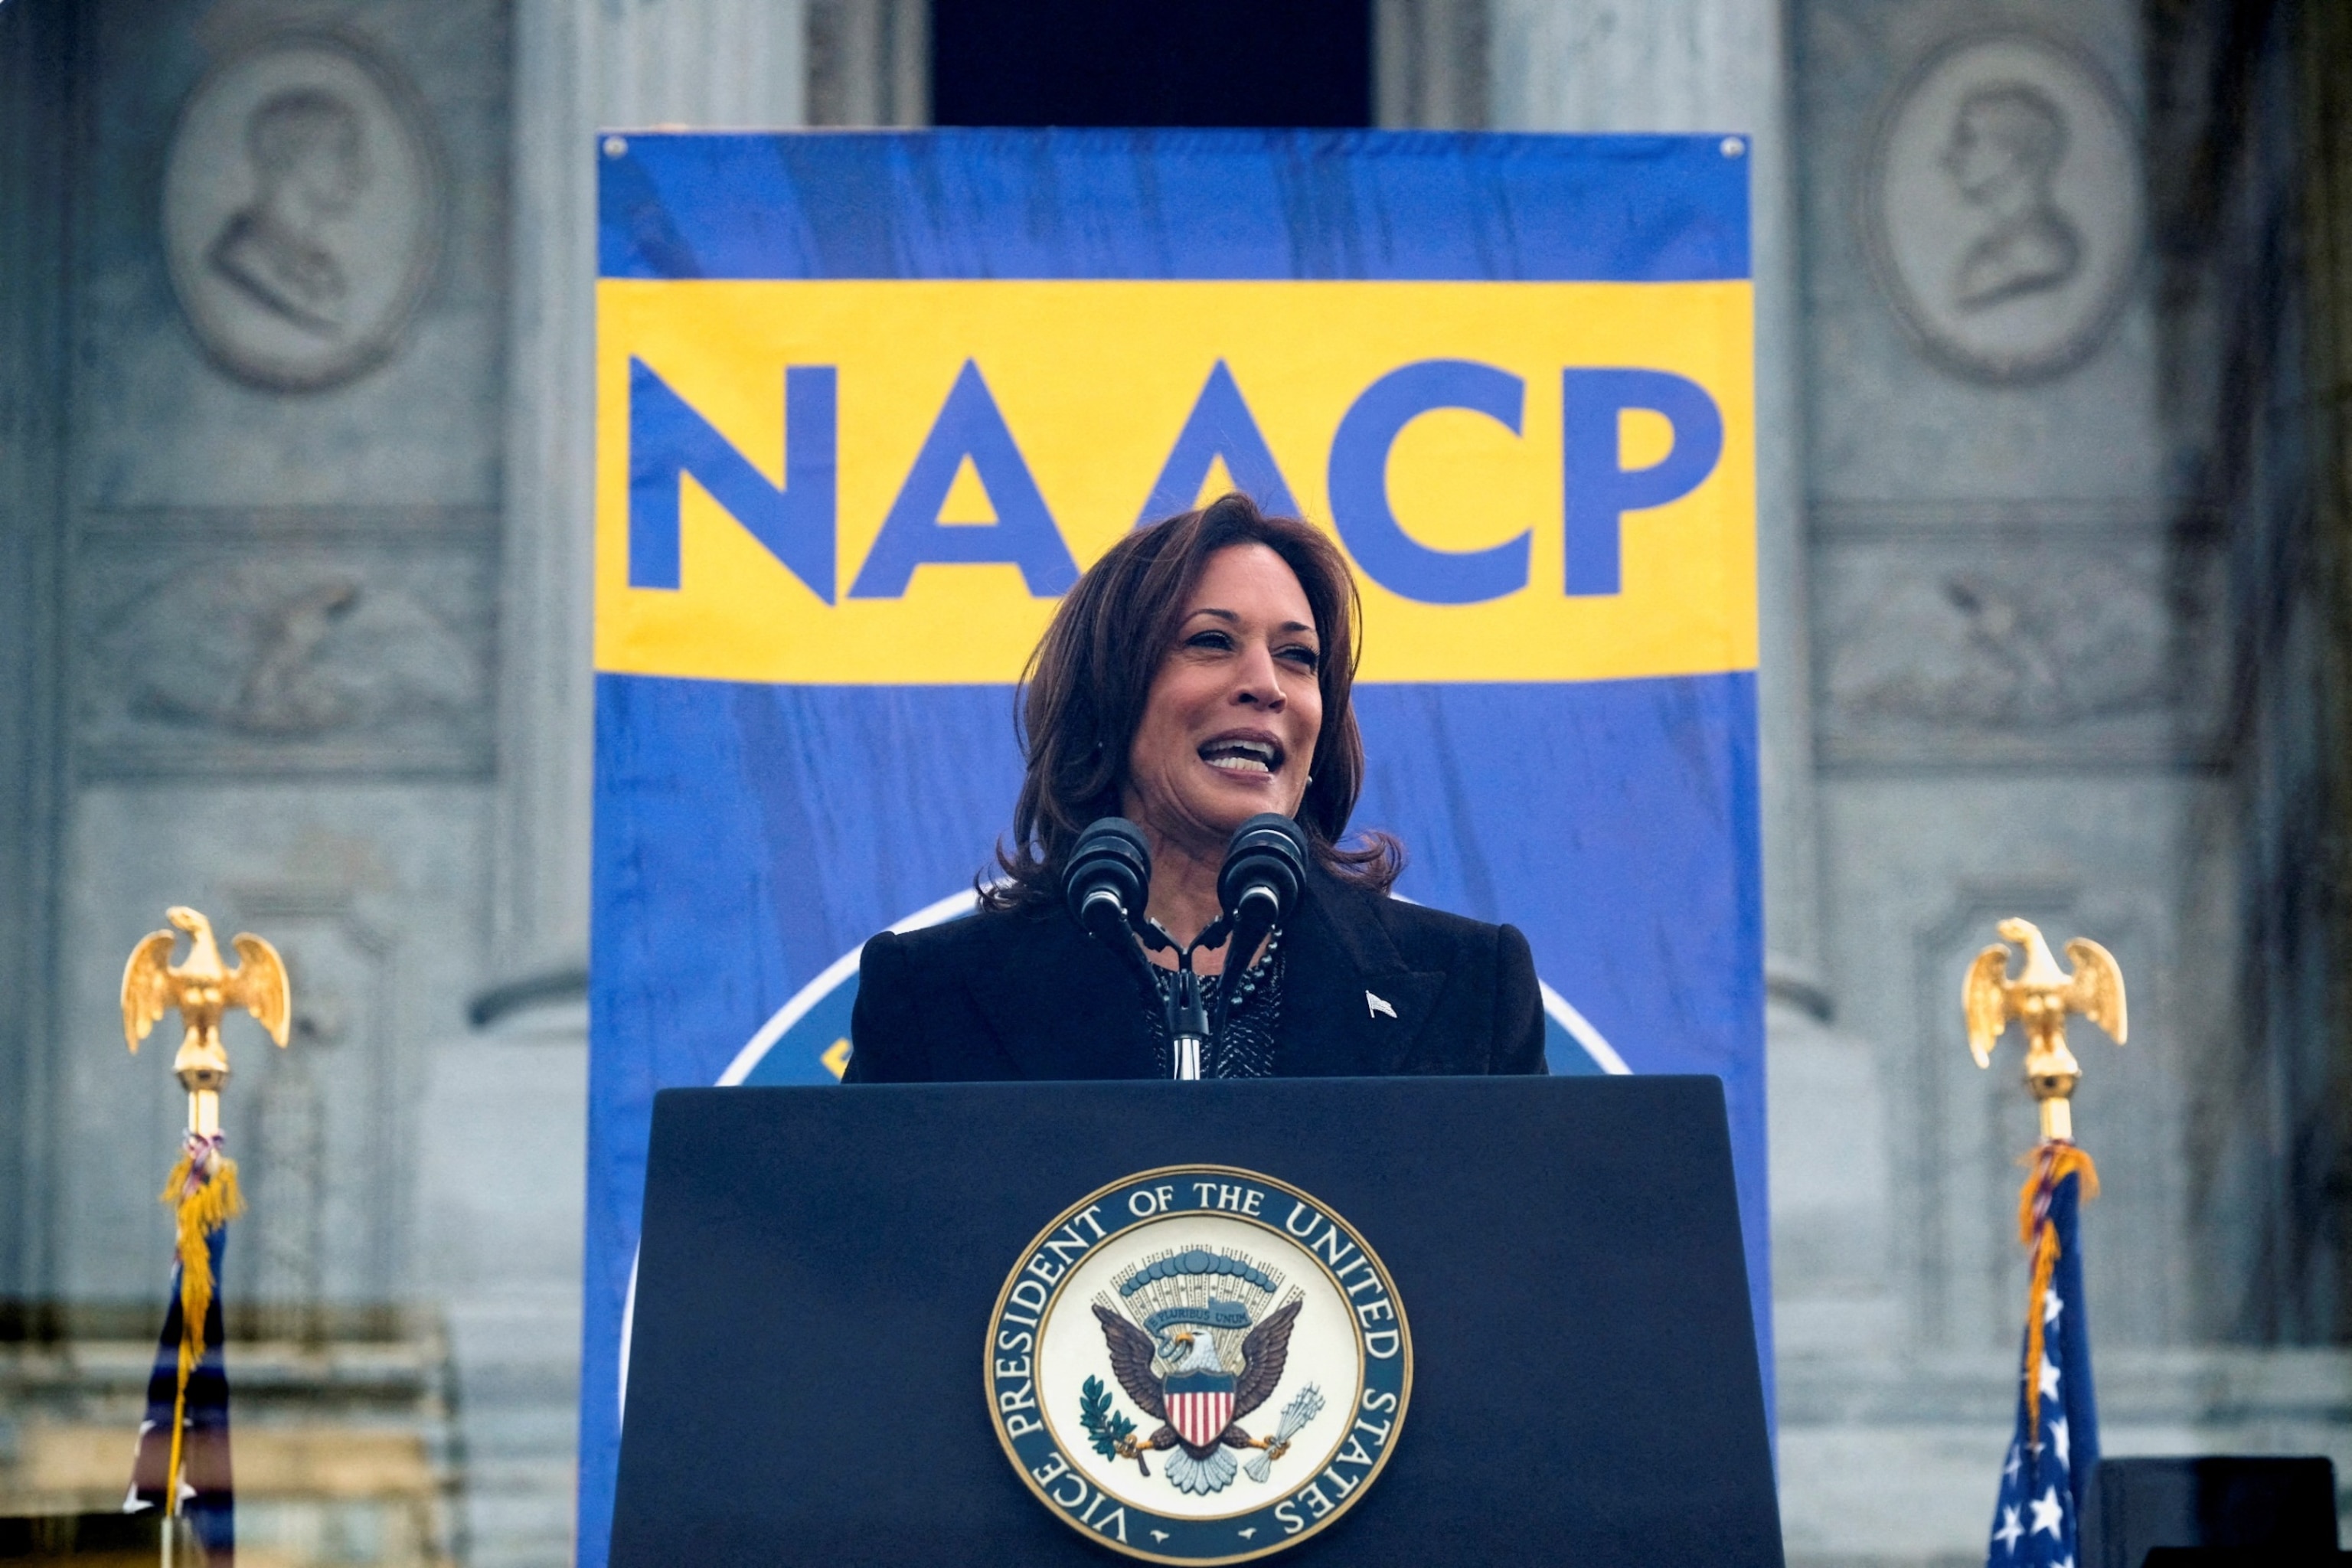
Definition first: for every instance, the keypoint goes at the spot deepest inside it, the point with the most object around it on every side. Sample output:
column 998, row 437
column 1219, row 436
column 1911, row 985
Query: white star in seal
column 2047, row 1512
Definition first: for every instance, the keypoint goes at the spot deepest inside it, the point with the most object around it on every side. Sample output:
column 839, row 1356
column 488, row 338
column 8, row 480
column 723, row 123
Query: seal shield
column 1198, row 1364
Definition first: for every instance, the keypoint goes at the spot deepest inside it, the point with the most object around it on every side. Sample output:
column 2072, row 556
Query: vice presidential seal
column 1199, row 1364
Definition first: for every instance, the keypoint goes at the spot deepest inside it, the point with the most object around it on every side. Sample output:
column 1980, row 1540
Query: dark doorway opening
column 1151, row 62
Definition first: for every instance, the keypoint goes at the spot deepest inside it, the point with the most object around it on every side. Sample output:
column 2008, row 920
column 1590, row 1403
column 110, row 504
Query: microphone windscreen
column 1265, row 862
column 1109, row 861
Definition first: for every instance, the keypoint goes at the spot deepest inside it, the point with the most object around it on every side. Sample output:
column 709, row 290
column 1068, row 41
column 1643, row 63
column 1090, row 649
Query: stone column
column 1636, row 66
column 1713, row 64
column 39, row 111
column 700, row 63
column 1428, row 65
column 869, row 62
column 504, row 1105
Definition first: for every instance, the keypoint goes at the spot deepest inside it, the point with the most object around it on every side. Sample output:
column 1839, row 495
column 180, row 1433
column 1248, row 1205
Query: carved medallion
column 2002, row 206
column 301, row 211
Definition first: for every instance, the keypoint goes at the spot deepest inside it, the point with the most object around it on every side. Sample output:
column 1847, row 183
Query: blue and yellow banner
column 889, row 483
column 869, row 404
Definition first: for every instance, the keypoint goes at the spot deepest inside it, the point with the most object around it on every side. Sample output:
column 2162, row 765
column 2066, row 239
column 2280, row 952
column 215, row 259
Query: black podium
column 819, row 1268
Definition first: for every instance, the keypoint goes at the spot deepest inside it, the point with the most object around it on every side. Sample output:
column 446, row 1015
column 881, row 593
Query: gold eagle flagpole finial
column 202, row 989
column 2039, row 998
column 203, row 1190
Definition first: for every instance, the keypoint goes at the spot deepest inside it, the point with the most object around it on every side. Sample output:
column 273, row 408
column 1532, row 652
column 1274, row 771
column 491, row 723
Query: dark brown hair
column 1083, row 693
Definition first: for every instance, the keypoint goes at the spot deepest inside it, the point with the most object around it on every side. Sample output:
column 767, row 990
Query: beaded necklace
column 1246, row 1049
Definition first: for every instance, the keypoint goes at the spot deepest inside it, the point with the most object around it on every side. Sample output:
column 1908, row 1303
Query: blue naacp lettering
column 1023, row 535
column 1359, row 483
column 1220, row 425
column 667, row 440
column 796, row 520
column 1600, row 493
column 1597, row 491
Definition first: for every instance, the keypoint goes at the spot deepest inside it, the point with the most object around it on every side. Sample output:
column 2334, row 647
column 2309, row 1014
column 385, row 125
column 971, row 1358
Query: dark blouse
column 1246, row 1048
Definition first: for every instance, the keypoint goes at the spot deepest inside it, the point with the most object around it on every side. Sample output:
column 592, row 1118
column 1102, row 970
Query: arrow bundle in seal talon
column 1304, row 1407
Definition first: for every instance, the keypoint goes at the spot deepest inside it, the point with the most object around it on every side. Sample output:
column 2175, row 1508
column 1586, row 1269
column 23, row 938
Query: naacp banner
column 867, row 404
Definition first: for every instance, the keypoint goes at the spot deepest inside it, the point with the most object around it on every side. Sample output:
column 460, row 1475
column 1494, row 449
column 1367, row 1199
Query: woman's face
column 1230, row 725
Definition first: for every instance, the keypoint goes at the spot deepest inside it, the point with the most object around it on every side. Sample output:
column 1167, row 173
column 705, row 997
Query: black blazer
column 1031, row 996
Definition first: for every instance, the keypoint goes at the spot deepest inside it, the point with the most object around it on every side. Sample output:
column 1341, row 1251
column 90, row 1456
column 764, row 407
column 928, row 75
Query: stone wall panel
column 2010, row 643
column 373, row 893
column 1925, row 865
column 322, row 649
column 166, row 421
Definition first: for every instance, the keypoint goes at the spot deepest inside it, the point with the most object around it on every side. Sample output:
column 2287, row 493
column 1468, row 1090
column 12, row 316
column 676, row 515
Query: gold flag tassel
column 2053, row 1163
column 203, row 1194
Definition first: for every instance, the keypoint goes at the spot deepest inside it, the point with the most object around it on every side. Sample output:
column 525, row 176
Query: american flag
column 2057, row 1443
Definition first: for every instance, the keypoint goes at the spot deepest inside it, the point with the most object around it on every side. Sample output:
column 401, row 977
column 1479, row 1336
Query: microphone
column 1105, row 884
column 1263, row 873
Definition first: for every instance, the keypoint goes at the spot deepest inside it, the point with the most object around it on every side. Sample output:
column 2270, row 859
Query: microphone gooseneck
column 1107, row 887
column 1189, row 1030
column 1188, row 1022
column 1263, row 873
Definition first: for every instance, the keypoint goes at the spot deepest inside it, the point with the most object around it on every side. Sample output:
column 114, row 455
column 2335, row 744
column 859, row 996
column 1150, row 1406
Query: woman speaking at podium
column 1198, row 675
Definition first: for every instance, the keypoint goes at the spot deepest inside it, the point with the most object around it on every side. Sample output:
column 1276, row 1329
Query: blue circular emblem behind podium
column 1198, row 1364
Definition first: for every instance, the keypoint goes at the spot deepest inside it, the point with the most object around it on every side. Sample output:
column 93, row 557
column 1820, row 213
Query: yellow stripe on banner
column 1094, row 381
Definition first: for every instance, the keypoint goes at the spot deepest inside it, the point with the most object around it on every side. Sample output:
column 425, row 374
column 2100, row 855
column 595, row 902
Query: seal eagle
column 1196, row 1466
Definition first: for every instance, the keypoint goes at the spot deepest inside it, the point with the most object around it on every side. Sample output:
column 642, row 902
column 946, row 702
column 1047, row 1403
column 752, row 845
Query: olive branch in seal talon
column 1108, row 1431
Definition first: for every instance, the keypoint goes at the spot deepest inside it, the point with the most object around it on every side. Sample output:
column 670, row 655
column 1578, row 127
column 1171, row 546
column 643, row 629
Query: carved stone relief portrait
column 2002, row 206
column 301, row 211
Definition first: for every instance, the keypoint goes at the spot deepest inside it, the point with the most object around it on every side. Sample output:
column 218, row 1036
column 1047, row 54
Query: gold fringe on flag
column 204, row 1197
column 2053, row 1163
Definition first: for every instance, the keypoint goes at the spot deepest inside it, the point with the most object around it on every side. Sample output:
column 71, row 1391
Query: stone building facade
column 293, row 593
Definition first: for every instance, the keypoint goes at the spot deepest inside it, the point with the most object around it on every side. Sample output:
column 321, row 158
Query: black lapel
column 1059, row 1005
column 1338, row 958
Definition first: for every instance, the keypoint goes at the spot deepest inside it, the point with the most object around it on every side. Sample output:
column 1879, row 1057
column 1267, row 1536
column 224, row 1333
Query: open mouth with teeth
column 1259, row 758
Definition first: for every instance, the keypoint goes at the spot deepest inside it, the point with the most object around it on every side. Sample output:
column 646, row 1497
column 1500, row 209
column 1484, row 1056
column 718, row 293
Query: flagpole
column 203, row 1122
column 2053, row 1096
column 2056, row 1440
column 201, row 1191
